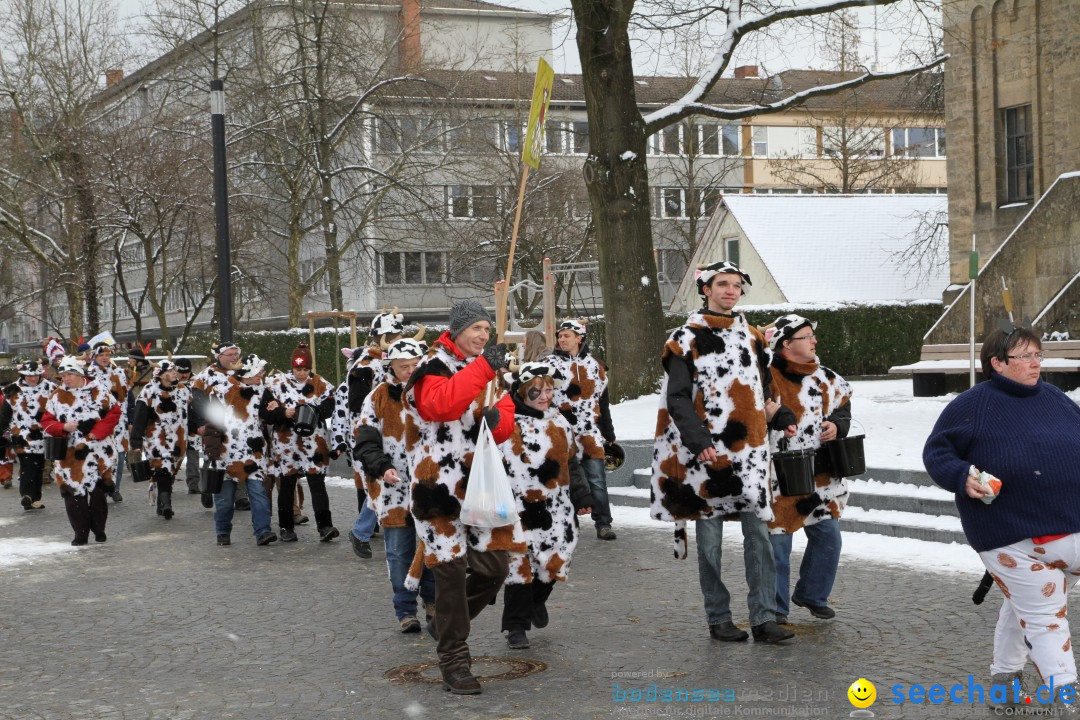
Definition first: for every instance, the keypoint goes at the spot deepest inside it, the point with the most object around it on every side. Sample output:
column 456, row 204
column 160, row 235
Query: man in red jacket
column 447, row 391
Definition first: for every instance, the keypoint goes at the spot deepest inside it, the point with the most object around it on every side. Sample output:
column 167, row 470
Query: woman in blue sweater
column 1025, row 432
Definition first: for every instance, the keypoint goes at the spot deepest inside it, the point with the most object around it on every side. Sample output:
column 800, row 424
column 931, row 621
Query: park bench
column 944, row 368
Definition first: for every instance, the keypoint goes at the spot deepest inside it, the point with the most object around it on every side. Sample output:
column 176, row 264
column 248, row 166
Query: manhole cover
column 486, row 668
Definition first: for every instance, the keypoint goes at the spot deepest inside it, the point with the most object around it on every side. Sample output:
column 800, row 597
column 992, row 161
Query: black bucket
column 140, row 471
column 305, row 421
column 847, row 456
column 211, row 480
column 795, row 471
column 55, row 448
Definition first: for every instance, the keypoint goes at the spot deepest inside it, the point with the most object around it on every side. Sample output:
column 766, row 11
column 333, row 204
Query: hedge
column 853, row 339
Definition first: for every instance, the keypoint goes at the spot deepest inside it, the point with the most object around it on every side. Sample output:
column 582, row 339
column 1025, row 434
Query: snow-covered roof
column 844, row 247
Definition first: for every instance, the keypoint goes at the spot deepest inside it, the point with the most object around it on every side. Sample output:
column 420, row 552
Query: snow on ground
column 895, row 424
column 15, row 551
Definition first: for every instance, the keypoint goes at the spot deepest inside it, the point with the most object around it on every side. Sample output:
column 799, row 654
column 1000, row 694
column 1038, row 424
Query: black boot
column 165, row 503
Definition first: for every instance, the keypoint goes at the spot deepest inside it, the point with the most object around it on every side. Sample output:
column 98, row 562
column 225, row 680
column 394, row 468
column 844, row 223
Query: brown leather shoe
column 461, row 682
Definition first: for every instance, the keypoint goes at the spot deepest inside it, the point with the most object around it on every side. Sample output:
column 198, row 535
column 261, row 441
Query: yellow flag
column 534, row 138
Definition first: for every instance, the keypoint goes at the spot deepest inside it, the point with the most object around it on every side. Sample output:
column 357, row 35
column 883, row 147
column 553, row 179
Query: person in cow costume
column 447, row 391
column 27, row 397
column 386, row 430
column 205, row 385
column 711, row 452
column 159, row 430
column 551, row 490
column 100, row 369
column 234, row 438
column 364, row 370
column 301, row 451
column 821, row 401
column 583, row 401
column 86, row 413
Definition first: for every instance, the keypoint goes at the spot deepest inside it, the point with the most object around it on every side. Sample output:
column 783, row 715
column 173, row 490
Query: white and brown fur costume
column 87, row 462
column 211, row 382
column 727, row 359
column 386, row 415
column 362, row 373
column 291, row 453
column 119, row 384
column 579, row 400
column 439, row 467
column 539, row 456
column 813, row 392
column 27, row 407
column 164, row 429
column 244, row 439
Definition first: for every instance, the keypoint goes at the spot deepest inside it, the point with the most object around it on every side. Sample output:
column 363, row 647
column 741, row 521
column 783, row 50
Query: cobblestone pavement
column 159, row 622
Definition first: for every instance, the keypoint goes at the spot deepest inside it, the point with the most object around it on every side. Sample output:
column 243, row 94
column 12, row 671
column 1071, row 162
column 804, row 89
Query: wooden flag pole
column 513, row 247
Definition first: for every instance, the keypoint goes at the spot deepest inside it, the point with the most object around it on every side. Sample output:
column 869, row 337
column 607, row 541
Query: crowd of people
column 733, row 399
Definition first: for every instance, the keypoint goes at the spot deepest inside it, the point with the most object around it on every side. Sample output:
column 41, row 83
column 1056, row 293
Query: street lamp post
column 221, row 206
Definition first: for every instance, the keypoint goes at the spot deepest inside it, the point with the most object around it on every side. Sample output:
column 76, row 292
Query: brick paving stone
column 159, row 622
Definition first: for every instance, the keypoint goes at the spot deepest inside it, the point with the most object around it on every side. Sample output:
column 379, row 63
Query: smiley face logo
column 862, row 693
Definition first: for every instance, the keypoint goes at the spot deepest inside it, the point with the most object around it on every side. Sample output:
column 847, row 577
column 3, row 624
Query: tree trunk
column 619, row 196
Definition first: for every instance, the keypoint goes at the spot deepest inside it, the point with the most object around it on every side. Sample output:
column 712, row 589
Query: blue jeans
column 400, row 548
column 260, row 506
column 760, row 569
column 596, row 473
column 365, row 523
column 818, row 569
column 121, row 460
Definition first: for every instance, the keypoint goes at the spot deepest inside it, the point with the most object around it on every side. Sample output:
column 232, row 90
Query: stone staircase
column 894, row 503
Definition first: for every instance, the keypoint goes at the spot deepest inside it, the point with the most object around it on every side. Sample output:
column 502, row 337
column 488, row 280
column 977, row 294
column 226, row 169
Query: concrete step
column 913, row 508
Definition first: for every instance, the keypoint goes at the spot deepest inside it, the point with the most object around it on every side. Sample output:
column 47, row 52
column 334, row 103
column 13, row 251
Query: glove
column 492, row 416
column 496, row 356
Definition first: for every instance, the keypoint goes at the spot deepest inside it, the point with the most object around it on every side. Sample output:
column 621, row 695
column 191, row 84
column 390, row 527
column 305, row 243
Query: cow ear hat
column 530, row 371
column 30, row 367
column 785, row 328
column 250, row 366
column 576, row 326
column 404, row 349
column 705, row 274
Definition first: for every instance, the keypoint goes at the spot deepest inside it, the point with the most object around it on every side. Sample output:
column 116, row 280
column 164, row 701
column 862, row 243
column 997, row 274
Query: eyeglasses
column 1027, row 357
column 811, row 336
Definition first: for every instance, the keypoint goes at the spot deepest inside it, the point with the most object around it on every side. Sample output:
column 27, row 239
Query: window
column 919, row 142
column 579, row 138
column 473, row 136
column 307, row 269
column 669, row 140
column 553, row 137
column 716, row 140
column 473, row 201
column 412, row 268
column 731, row 250
column 781, row 141
column 513, row 137
column 672, row 202
column 670, row 265
column 861, row 142
column 709, row 199
column 1019, row 155
column 403, row 134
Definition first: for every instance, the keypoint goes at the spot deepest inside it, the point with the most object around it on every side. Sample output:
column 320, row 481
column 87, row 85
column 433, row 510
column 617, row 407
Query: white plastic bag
column 489, row 499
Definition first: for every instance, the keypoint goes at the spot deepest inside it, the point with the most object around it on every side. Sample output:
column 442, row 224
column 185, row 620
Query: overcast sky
column 800, row 50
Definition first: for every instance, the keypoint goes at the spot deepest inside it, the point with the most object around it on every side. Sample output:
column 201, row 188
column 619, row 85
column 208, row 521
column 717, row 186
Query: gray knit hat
column 465, row 313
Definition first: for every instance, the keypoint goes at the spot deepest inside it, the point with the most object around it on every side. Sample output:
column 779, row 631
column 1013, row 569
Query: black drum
column 211, row 480
column 55, row 448
column 847, row 456
column 140, row 471
column 305, row 421
column 795, row 471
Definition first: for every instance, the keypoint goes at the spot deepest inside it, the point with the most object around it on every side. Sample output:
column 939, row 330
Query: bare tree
column 615, row 170
column 54, row 55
